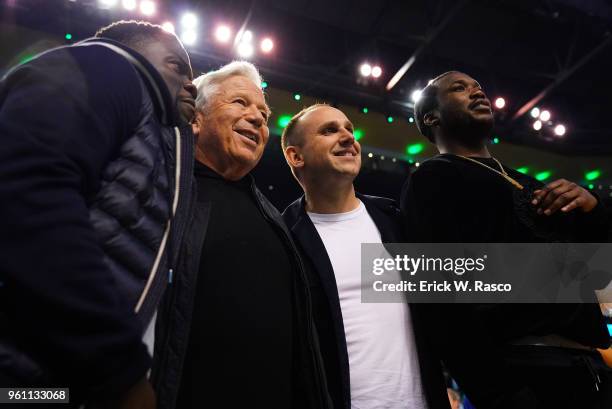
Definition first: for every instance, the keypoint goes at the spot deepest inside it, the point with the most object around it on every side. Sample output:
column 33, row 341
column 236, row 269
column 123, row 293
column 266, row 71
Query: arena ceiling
column 555, row 54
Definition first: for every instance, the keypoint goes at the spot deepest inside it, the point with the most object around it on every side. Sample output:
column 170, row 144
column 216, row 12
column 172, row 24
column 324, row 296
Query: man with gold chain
column 464, row 195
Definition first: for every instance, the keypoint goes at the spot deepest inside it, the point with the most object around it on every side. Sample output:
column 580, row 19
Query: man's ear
column 198, row 122
column 432, row 118
column 294, row 157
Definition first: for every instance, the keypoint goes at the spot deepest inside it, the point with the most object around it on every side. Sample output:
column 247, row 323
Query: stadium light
column 365, row 70
column 107, row 4
column 416, row 95
column 537, row 125
column 267, row 45
column 545, row 115
column 560, row 130
column 147, row 7
column 245, row 49
column 246, row 36
column 500, row 103
column 592, row 175
column 535, row 112
column 189, row 37
column 189, row 20
column 129, row 5
column 223, row 33
column 376, row 71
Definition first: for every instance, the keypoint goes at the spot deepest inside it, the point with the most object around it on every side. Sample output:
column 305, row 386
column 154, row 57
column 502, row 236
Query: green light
column 297, row 97
column 358, row 134
column 410, row 161
column 524, row 170
column 264, row 85
column 390, row 119
column 26, row 58
column 592, row 175
column 414, row 148
column 68, row 36
column 364, row 110
column 283, row 120
column 543, row 175
column 591, row 186
column 411, row 120
column 496, row 140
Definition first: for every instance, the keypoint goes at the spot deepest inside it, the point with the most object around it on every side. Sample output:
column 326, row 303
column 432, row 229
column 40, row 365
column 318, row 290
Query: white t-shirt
column 384, row 366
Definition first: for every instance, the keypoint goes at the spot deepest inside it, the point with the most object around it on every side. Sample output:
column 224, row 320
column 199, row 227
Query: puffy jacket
column 92, row 169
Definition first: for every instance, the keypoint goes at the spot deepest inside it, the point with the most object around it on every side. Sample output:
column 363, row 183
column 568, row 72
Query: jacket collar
column 165, row 108
column 383, row 211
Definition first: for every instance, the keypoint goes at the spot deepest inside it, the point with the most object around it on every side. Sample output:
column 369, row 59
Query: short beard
column 465, row 130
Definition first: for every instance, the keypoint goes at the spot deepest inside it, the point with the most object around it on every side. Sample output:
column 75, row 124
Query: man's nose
column 347, row 138
column 193, row 91
column 478, row 93
column 255, row 116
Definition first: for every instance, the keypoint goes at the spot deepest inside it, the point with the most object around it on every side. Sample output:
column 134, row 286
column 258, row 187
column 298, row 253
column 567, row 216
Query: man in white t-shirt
column 373, row 357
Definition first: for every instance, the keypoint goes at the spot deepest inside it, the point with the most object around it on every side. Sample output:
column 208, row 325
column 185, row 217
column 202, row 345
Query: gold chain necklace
column 503, row 172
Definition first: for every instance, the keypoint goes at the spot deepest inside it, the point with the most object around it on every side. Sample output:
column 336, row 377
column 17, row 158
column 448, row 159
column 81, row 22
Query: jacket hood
column 165, row 109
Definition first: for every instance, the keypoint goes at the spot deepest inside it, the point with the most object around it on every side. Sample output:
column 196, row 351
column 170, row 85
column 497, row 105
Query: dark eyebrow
column 347, row 124
column 327, row 125
column 245, row 96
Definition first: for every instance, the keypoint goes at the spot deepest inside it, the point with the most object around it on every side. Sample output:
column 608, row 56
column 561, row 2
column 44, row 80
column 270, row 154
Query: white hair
column 207, row 84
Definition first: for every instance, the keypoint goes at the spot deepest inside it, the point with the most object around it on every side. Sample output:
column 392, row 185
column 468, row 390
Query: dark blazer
column 175, row 313
column 326, row 303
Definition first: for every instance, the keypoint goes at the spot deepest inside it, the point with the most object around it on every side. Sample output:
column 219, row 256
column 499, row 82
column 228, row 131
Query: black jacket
column 328, row 314
column 88, row 163
column 451, row 200
column 173, row 326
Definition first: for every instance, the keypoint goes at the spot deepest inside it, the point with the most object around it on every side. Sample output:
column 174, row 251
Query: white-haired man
column 246, row 337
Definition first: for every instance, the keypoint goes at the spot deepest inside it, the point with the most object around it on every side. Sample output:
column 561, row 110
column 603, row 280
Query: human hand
column 565, row 195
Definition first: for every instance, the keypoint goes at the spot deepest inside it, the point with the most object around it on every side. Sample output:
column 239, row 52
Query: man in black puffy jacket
column 95, row 172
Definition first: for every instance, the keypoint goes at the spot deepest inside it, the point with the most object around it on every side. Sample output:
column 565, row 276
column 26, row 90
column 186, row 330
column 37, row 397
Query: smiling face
column 169, row 57
column 232, row 128
column 464, row 111
column 327, row 147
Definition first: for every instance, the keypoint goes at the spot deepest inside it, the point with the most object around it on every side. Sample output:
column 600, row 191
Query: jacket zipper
column 162, row 245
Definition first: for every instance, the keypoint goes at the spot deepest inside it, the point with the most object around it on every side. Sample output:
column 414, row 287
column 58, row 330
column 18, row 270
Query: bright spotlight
column 168, row 26
column 247, row 36
column 416, row 95
column 535, row 112
column 376, row 71
column 537, row 125
column 267, row 45
column 129, row 4
column 189, row 37
column 189, row 20
column 500, row 103
column 560, row 130
column 147, row 7
column 245, row 49
column 107, row 4
column 223, row 34
column 365, row 70
column 545, row 116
